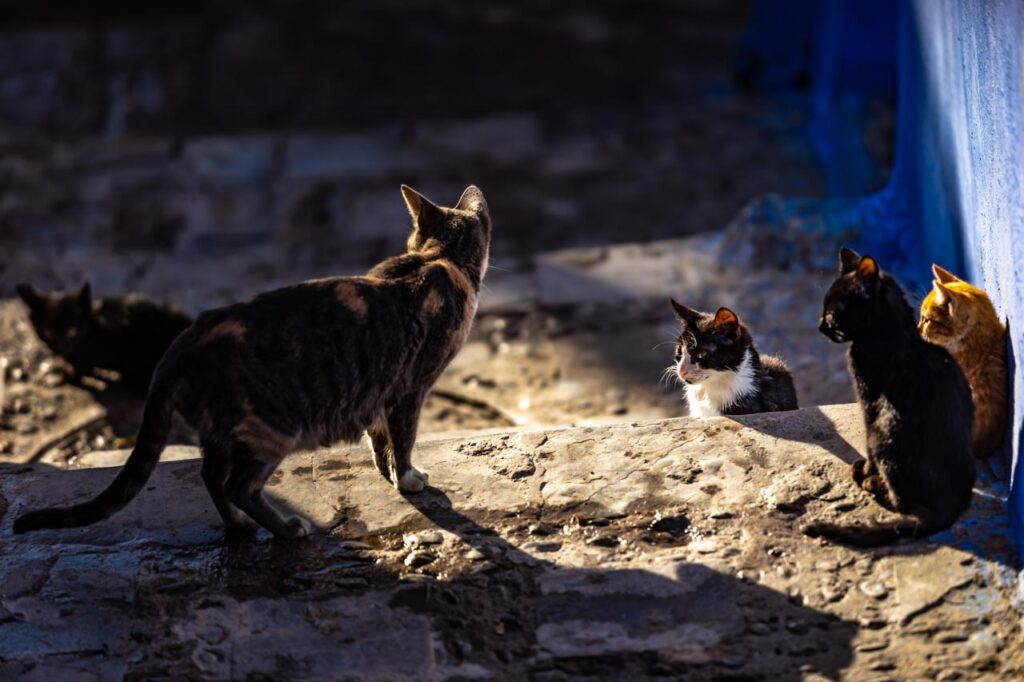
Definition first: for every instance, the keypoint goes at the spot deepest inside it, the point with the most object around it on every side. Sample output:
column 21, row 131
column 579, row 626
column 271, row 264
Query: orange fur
column 960, row 317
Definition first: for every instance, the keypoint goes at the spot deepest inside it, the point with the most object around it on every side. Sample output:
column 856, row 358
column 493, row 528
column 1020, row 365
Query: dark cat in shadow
column 126, row 334
column 917, row 409
column 310, row 365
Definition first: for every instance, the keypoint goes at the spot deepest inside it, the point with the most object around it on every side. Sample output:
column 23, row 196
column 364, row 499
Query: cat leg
column 402, row 423
column 876, row 487
column 215, row 471
column 862, row 469
column 380, row 440
column 249, row 473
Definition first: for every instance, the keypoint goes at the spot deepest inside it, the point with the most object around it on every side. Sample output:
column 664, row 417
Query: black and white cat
column 723, row 372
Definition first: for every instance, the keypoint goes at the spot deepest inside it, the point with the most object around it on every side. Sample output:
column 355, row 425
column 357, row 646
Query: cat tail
column 877, row 535
column 152, row 438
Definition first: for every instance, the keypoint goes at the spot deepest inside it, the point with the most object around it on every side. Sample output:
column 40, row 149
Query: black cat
column 127, row 334
column 916, row 403
column 723, row 372
column 311, row 364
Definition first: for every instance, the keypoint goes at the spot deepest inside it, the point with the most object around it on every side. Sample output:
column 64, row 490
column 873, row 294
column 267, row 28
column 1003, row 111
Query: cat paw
column 413, row 481
column 297, row 527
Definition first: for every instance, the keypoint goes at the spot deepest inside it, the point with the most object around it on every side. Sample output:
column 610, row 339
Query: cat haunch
column 312, row 364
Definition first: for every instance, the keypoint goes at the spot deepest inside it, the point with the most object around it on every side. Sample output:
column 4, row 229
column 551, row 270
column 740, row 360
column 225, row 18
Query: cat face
column 708, row 343
column 61, row 320
column 852, row 299
column 950, row 309
column 461, row 233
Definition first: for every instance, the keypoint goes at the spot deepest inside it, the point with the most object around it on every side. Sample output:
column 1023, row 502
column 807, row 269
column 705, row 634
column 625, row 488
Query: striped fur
column 313, row 364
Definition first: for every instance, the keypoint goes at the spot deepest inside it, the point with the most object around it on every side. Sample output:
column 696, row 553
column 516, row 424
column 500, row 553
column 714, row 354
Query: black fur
column 127, row 334
column 312, row 364
column 916, row 403
column 719, row 342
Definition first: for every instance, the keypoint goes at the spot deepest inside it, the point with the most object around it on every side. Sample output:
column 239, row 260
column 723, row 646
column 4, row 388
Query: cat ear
column 83, row 297
column 848, row 260
column 867, row 275
column 943, row 275
column 472, row 200
column 726, row 320
column 944, row 296
column 685, row 314
column 29, row 295
column 419, row 206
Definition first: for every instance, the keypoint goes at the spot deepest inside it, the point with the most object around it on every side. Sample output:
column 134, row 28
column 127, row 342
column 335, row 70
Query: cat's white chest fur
column 718, row 390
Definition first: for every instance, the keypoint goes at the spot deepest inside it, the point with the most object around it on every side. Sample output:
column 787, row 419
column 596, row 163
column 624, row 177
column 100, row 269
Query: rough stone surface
column 160, row 592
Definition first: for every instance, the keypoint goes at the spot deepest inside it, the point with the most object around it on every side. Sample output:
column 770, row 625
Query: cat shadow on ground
column 514, row 614
column 983, row 530
column 676, row 618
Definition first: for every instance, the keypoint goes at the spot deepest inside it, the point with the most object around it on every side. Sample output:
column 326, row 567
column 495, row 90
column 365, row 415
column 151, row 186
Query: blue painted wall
column 966, row 153
column 955, row 195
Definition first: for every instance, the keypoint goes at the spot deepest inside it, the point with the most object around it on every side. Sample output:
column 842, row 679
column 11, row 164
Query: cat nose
column 824, row 324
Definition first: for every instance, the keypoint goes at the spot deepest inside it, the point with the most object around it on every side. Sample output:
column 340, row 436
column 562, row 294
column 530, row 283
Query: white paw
column 413, row 481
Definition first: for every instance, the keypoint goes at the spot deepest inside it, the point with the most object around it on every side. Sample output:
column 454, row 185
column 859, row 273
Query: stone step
column 552, row 550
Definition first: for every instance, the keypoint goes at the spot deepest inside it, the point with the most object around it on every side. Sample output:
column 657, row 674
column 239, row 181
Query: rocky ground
column 655, row 549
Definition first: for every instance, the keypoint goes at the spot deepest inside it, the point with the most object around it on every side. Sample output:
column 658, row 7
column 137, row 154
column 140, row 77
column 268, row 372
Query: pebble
column 948, row 675
column 784, row 571
column 427, row 537
column 873, row 589
column 419, row 557
column 826, row 565
column 415, row 578
column 484, row 567
column 720, row 514
column 53, row 380
column 845, row 506
column 27, row 428
column 604, row 541
column 832, row 594
column 759, row 629
column 873, row 645
column 475, row 554
column 674, row 525
column 951, row 637
column 49, row 413
column 543, row 545
column 541, row 529
column 6, row 447
column 872, row 623
column 704, row 546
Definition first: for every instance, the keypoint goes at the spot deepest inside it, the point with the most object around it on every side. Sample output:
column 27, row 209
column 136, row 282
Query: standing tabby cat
column 916, row 405
column 723, row 372
column 960, row 317
column 127, row 334
column 311, row 364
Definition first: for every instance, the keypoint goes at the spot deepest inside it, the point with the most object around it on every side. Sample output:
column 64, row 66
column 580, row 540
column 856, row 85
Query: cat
column 312, row 364
column 723, row 372
column 960, row 317
column 916, row 405
column 126, row 334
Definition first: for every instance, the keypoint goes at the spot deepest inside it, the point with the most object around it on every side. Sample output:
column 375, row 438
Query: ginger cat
column 960, row 317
